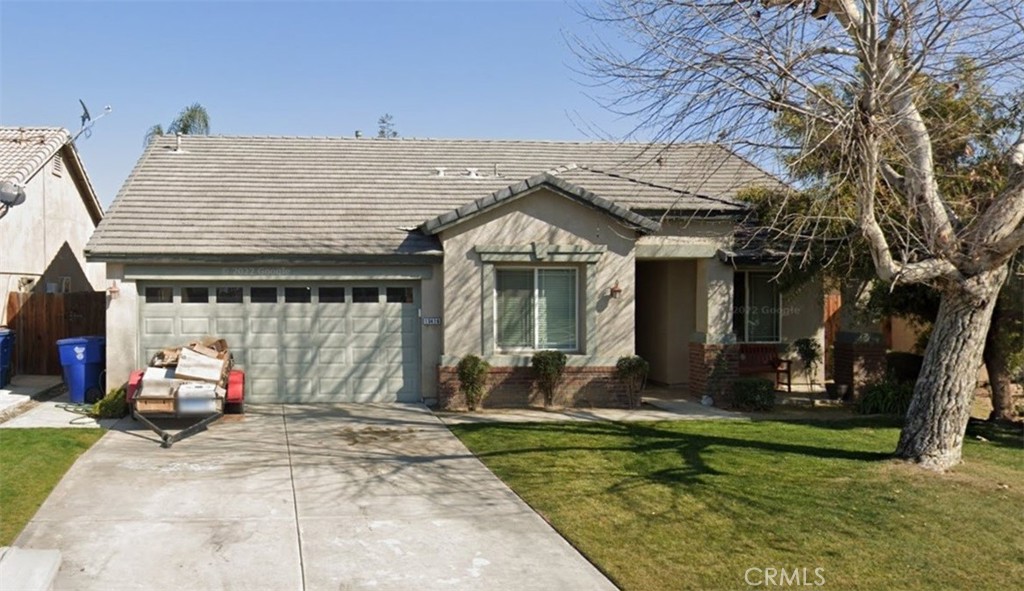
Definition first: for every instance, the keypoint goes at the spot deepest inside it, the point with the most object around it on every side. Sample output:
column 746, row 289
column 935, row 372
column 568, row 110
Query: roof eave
column 511, row 193
column 84, row 184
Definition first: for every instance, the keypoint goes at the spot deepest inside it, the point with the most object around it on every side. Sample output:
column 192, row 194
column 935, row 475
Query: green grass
column 693, row 505
column 32, row 462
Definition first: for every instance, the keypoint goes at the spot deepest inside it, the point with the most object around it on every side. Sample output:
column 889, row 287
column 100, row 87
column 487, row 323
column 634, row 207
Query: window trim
column 536, row 320
column 744, row 338
column 585, row 258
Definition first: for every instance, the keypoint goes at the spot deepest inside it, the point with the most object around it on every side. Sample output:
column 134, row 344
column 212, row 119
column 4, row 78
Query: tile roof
column 549, row 180
column 24, row 150
column 318, row 196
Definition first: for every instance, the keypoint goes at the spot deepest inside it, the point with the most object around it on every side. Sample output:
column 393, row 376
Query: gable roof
column 551, row 181
column 318, row 196
column 25, row 150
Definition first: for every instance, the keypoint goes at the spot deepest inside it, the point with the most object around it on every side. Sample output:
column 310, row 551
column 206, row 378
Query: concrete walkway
column 299, row 497
column 23, row 389
column 654, row 409
column 56, row 413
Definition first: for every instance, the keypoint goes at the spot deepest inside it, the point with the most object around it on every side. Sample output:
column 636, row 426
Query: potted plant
column 809, row 352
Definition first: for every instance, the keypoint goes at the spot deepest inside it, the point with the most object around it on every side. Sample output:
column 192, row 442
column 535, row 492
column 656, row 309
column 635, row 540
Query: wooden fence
column 40, row 319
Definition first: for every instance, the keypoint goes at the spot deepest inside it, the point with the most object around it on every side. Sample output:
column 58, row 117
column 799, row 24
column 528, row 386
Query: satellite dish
column 11, row 194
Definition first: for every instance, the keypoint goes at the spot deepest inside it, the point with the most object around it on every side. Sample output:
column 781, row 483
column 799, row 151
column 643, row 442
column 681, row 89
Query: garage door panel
column 261, row 389
column 332, row 310
column 362, row 326
column 334, row 340
column 333, row 355
column 379, row 355
column 333, row 388
column 266, row 341
column 157, row 326
column 298, row 325
column 262, row 356
column 332, row 325
column 232, row 326
column 302, row 388
column 264, row 326
column 301, row 352
column 297, row 356
column 195, row 326
column 241, row 356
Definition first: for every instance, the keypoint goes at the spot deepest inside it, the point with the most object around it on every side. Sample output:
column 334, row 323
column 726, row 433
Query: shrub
column 633, row 372
column 111, row 406
column 751, row 394
column 903, row 367
column 548, row 367
column 473, row 380
column 887, row 397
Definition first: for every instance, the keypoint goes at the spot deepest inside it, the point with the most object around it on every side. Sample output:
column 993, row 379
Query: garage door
column 297, row 343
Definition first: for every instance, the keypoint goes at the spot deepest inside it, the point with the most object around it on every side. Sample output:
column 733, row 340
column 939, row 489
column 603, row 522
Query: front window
column 536, row 308
column 756, row 305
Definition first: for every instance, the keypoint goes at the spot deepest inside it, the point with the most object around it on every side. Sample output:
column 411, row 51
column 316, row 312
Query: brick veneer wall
column 704, row 379
column 858, row 364
column 514, row 387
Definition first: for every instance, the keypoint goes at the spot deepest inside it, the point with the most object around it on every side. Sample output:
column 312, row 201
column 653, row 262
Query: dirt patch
column 374, row 435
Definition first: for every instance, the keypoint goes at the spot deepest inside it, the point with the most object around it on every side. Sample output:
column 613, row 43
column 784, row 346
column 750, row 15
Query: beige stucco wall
column 122, row 328
column 717, row 231
column 431, row 336
column 904, row 335
column 548, row 218
column 803, row 313
column 44, row 237
column 666, row 317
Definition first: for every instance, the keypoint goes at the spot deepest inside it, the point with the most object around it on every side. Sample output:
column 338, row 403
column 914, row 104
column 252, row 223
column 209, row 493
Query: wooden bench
column 761, row 358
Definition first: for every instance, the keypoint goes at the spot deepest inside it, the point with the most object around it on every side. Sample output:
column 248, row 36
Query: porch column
column 713, row 350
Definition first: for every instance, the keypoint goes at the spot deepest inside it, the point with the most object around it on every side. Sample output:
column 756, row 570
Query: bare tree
column 725, row 71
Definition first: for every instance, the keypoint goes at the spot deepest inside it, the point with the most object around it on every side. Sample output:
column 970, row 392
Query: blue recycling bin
column 83, row 360
column 6, row 349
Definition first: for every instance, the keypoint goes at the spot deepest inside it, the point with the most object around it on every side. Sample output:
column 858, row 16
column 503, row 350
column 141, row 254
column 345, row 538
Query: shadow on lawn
column 643, row 438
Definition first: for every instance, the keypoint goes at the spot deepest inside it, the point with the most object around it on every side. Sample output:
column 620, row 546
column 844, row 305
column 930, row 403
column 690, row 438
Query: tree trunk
column 997, row 363
column 933, row 434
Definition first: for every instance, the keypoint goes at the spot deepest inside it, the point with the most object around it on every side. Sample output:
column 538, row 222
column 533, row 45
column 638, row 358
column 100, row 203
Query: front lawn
column 696, row 505
column 32, row 462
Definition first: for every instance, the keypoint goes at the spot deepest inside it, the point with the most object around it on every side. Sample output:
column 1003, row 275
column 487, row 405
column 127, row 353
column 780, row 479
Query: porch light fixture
column 615, row 292
column 114, row 290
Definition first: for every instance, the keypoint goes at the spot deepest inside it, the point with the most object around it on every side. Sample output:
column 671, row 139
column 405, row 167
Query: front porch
column 702, row 323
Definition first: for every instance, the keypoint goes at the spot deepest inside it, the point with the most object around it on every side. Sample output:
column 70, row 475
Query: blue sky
column 461, row 69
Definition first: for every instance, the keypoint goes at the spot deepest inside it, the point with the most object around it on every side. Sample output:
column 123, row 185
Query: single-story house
column 346, row 269
column 43, row 237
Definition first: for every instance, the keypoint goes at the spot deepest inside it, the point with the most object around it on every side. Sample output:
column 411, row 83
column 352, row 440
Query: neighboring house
column 364, row 269
column 42, row 240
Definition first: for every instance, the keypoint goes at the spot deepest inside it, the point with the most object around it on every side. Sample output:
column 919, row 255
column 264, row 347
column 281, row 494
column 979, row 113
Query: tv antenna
column 88, row 121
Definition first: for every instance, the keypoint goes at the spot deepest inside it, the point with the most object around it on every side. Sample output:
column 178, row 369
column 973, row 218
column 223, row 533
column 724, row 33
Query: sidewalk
column 654, row 409
column 56, row 413
column 22, row 390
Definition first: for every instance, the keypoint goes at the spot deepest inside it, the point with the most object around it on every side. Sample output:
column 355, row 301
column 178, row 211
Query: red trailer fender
column 134, row 383
column 236, row 387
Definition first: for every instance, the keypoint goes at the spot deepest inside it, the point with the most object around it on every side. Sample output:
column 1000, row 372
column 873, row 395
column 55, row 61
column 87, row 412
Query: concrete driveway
column 299, row 497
